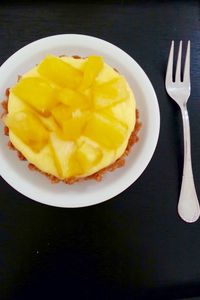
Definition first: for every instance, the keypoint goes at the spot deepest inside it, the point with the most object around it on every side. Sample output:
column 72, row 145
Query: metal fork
column 179, row 90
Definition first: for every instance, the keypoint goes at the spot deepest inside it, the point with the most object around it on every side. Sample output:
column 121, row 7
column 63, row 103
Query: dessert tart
column 71, row 118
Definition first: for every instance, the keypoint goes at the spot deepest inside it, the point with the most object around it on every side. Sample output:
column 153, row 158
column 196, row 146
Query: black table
column 134, row 246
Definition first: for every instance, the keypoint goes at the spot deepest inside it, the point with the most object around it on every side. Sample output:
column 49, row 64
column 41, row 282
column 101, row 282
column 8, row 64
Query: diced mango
column 107, row 112
column 110, row 93
column 74, row 99
column 49, row 123
column 61, row 151
column 117, row 112
column 73, row 127
column 74, row 166
column 71, row 122
column 88, row 156
column 61, row 113
column 82, row 159
column 36, row 92
column 28, row 128
column 60, row 72
column 92, row 67
column 105, row 131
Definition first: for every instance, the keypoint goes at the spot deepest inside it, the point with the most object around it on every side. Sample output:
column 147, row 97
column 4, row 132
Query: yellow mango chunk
column 60, row 72
column 73, row 127
column 92, row 67
column 48, row 122
column 74, row 166
column 74, row 99
column 117, row 112
column 61, row 113
column 36, row 92
column 105, row 131
column 88, row 156
column 110, row 93
column 26, row 126
column 61, row 151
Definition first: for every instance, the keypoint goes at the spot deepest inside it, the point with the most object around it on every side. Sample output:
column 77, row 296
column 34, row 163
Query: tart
column 72, row 118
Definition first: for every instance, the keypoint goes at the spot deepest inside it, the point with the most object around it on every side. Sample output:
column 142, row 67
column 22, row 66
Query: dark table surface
column 134, row 246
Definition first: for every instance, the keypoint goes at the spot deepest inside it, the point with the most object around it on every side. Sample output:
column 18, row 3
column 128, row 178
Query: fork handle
column 188, row 205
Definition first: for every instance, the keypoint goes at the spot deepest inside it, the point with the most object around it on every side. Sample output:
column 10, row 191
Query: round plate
column 38, row 187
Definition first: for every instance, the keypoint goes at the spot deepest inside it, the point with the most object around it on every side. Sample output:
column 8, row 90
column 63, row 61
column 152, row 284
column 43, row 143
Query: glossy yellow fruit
column 71, row 122
column 28, row 128
column 61, row 113
column 74, row 166
column 60, row 72
column 92, row 67
column 60, row 150
column 116, row 112
column 110, row 93
column 83, row 158
column 73, row 127
column 48, row 122
column 37, row 93
column 74, row 99
column 105, row 131
column 88, row 156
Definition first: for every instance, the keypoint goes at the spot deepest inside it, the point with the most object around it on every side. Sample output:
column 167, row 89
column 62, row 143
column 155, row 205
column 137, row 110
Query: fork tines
column 186, row 73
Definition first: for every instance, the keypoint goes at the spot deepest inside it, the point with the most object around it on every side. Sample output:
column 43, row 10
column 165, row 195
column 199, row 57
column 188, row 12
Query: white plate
column 36, row 186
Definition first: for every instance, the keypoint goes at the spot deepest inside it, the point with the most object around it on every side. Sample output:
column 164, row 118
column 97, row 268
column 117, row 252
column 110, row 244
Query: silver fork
column 179, row 91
